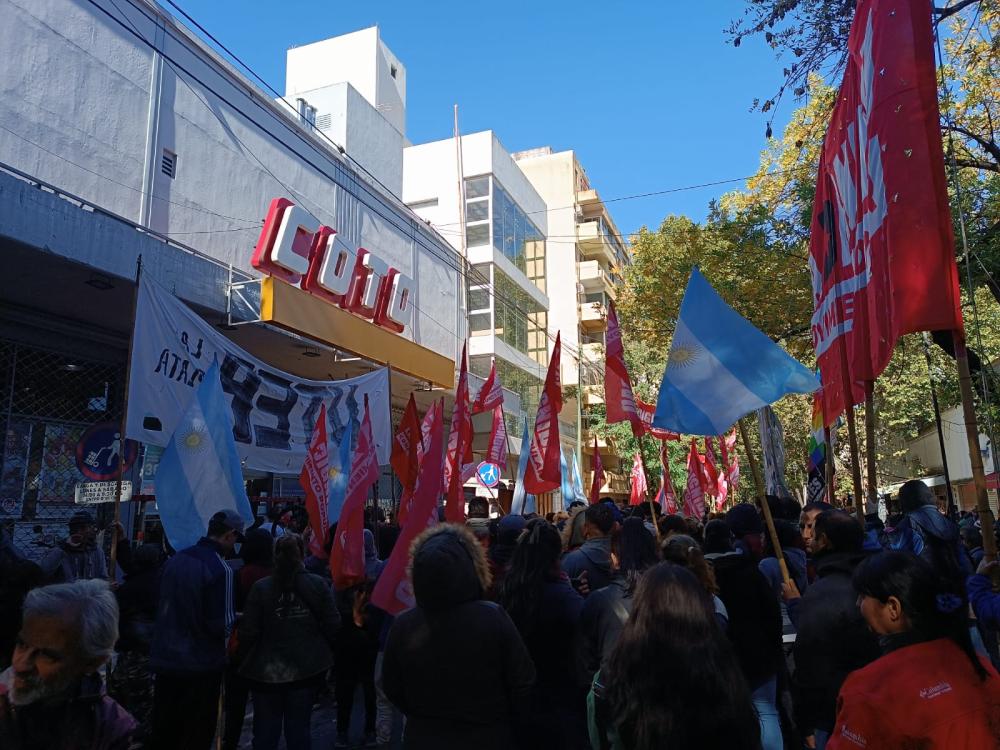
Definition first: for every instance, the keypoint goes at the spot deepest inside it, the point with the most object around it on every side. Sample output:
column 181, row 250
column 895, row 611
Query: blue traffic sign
column 488, row 474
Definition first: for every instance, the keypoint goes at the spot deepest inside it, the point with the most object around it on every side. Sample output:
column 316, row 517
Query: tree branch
column 977, row 164
column 989, row 146
column 951, row 10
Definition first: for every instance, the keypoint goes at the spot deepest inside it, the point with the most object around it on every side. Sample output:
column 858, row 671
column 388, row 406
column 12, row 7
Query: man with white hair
column 52, row 696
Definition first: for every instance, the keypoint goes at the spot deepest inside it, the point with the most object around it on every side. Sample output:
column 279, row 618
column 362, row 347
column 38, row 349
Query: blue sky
column 648, row 93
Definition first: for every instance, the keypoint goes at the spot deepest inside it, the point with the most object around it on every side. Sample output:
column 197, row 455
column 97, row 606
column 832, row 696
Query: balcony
column 595, row 279
column 593, row 316
column 588, row 198
column 595, row 241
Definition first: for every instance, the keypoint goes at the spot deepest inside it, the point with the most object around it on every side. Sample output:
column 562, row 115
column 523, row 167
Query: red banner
column 646, row 412
column 404, row 446
column 425, row 430
column 639, row 485
column 599, row 478
column 666, row 497
column 730, row 460
column 347, row 558
column 694, row 496
column 618, row 396
column 315, row 480
column 496, row 451
column 542, row 473
column 394, row 590
column 881, row 254
column 490, row 395
column 459, row 456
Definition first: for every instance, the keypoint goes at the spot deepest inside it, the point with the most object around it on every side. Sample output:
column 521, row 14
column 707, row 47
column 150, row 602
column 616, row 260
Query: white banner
column 95, row 493
column 274, row 412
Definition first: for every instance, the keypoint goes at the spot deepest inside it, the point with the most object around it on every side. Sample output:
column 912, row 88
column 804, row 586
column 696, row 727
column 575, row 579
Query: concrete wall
column 927, row 448
column 93, row 108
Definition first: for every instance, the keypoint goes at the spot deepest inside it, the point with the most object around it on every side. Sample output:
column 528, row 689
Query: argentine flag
column 578, row 482
column 199, row 472
column 523, row 503
column 720, row 367
column 567, row 490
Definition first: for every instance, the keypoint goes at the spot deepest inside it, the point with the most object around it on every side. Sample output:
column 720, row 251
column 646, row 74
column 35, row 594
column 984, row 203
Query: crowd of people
column 605, row 627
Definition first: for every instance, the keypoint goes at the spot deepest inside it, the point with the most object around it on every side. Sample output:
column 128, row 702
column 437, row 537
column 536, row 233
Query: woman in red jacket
column 929, row 689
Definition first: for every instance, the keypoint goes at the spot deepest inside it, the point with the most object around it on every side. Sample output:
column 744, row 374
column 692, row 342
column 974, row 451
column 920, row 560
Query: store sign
column 94, row 493
column 292, row 247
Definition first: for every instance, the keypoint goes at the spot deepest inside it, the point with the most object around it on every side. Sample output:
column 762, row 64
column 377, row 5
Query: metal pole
column 870, row 446
column 113, row 563
column 460, row 167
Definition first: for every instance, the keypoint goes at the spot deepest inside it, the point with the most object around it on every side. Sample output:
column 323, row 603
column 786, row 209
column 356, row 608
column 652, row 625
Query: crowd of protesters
column 605, row 627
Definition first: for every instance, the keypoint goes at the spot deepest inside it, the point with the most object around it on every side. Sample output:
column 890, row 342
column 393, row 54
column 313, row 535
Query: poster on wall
column 14, row 470
column 59, row 474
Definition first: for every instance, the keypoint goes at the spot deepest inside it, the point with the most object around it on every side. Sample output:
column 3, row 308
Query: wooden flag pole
column 976, row 458
column 870, row 447
column 122, row 445
column 937, row 421
column 652, row 508
column 852, row 438
column 765, row 508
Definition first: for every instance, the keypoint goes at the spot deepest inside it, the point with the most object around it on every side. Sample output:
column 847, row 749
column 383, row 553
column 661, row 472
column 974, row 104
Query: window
column 392, row 70
column 168, row 163
column 477, row 235
column 323, row 121
column 477, row 211
column 307, row 113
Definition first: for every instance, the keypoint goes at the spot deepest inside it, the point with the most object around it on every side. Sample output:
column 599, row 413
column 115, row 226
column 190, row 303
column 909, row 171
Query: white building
column 584, row 257
column 122, row 135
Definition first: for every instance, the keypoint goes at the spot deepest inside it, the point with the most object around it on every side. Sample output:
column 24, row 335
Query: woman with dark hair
column 929, row 689
column 286, row 634
column 673, row 680
column 605, row 611
column 546, row 609
column 682, row 550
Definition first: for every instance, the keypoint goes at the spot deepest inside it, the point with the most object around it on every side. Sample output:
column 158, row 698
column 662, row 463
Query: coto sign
column 293, row 248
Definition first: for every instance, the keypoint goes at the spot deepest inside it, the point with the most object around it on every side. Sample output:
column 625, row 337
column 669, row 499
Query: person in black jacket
column 754, row 624
column 833, row 639
column 455, row 664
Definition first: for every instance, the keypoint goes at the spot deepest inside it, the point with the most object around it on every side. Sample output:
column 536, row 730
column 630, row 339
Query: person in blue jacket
column 188, row 651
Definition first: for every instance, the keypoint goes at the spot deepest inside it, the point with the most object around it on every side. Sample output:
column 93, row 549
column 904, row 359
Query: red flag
column 496, row 451
column 315, row 480
column 490, row 395
column 459, row 456
column 543, row 473
column 404, row 446
column 347, row 558
column 646, row 412
column 598, row 481
column 639, row 486
column 881, row 252
column 425, row 430
column 666, row 497
column 730, row 460
column 618, row 394
column 694, row 496
column 394, row 590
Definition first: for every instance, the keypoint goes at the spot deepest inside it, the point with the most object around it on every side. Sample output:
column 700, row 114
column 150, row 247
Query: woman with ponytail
column 929, row 689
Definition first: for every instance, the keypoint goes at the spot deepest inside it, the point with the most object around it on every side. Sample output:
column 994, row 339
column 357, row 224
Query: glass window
column 478, row 210
column 477, row 235
column 480, row 322
column 479, row 298
column 477, row 187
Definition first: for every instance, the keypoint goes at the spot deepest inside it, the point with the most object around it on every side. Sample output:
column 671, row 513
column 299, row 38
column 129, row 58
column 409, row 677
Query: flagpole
column 937, row 421
column 121, row 437
column 870, row 447
column 830, row 468
column 765, row 508
column 665, row 463
column 652, row 508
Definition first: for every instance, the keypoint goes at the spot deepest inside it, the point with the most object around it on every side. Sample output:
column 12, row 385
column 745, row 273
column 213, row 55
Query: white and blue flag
column 523, row 503
column 566, row 490
column 578, row 482
column 340, row 471
column 720, row 367
column 199, row 472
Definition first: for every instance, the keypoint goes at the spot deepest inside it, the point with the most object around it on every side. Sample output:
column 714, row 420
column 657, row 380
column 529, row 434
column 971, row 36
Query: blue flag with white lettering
column 720, row 367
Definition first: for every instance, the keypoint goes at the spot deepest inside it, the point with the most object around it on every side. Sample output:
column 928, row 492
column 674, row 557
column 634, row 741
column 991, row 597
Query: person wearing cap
column 77, row 557
column 188, row 651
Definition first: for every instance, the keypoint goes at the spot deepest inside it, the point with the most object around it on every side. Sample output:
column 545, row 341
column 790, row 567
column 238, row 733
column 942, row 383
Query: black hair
column 288, row 555
column 258, row 548
column 718, row 537
column 789, row 537
column 673, row 679
column 479, row 507
column 600, row 516
column 217, row 526
column 636, row 550
column 972, row 536
column 915, row 494
column 934, row 608
column 534, row 562
column 817, row 505
column 841, row 529
column 784, row 508
column 673, row 523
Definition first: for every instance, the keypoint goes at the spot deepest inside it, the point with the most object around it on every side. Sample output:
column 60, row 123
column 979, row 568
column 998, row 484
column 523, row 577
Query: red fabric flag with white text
column 646, row 412
column 881, row 252
column 496, row 450
column 315, row 480
column 666, row 497
column 618, row 395
column 426, row 425
column 639, row 486
column 347, row 558
column 730, row 460
column 459, row 456
column 404, row 446
column 694, row 496
column 490, row 395
column 394, row 590
column 599, row 478
column 543, row 473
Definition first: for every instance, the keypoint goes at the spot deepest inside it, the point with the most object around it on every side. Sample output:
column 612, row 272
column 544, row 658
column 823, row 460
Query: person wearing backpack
column 286, row 636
